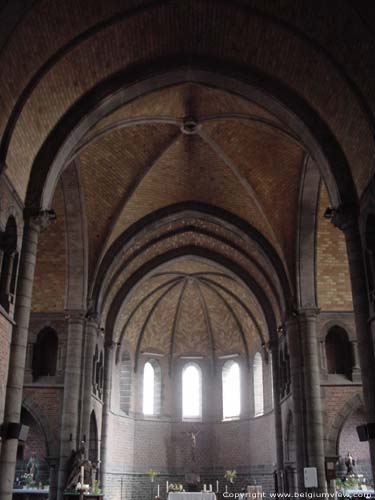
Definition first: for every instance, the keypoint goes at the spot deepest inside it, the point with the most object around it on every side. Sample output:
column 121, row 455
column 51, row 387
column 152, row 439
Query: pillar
column 104, row 454
column 277, row 410
column 314, row 434
column 34, row 223
column 345, row 218
column 91, row 336
column 297, row 382
column 69, row 435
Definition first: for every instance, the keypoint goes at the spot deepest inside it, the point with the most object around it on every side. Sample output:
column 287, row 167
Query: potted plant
column 230, row 476
column 96, row 487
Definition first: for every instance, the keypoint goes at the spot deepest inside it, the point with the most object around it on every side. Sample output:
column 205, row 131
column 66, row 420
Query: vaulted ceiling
column 189, row 127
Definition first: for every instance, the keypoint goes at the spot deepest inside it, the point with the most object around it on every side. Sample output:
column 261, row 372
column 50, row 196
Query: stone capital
column 308, row 313
column 39, row 219
column 75, row 315
column 344, row 217
column 92, row 317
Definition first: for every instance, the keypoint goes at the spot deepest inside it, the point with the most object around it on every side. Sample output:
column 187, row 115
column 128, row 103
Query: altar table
column 202, row 495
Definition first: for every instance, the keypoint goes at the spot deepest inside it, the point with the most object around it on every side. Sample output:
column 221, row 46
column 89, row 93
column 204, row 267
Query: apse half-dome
column 191, row 307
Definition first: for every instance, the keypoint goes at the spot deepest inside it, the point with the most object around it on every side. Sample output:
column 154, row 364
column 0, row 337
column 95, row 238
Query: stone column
column 104, row 454
column 345, row 218
column 277, row 410
column 34, row 223
column 297, row 381
column 69, row 436
column 91, row 336
column 356, row 373
column 314, row 415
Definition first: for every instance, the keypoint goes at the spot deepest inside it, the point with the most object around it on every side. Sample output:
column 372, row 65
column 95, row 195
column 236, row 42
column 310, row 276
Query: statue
column 76, row 462
column 32, row 466
column 193, row 436
column 350, row 463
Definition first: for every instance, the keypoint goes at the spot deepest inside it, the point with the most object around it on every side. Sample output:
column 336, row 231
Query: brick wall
column 5, row 339
column 50, row 272
column 333, row 280
column 349, row 442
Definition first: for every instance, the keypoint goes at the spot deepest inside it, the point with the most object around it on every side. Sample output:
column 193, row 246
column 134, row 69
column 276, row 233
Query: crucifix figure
column 193, row 436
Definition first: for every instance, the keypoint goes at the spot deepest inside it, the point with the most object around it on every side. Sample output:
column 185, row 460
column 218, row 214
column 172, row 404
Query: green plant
column 230, row 475
column 152, row 474
column 96, row 487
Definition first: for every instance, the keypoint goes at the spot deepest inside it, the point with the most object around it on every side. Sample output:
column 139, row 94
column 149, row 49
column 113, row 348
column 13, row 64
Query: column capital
column 92, row 317
column 344, row 217
column 308, row 313
column 39, row 219
column 75, row 315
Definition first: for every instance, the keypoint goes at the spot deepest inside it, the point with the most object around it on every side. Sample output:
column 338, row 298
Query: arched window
column 258, row 385
column 231, row 390
column 191, row 391
column 148, row 389
column 95, row 360
column 9, row 264
column 339, row 352
column 45, row 354
column 151, row 388
column 125, row 382
column 99, row 376
column 93, row 439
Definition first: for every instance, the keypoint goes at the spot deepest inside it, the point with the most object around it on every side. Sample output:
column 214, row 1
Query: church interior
column 187, row 248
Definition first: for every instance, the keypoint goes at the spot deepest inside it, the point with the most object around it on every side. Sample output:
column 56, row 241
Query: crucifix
column 193, row 436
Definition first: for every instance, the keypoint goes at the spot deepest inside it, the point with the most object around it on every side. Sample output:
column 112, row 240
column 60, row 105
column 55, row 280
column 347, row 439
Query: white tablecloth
column 192, row 496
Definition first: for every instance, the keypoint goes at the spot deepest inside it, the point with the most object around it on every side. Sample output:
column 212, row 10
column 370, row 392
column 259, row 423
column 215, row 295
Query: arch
column 253, row 286
column 215, row 214
column 307, row 234
column 370, row 258
column 9, row 263
column 231, row 384
column 339, row 354
column 76, row 239
column 125, row 382
column 317, row 136
column 38, row 415
column 93, row 440
column 258, row 385
column 332, row 437
column 45, row 353
column 191, row 391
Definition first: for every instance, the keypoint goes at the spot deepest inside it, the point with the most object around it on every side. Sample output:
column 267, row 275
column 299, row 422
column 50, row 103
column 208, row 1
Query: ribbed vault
column 191, row 306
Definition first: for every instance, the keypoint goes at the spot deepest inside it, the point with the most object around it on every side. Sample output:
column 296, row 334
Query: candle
column 217, row 486
column 210, row 487
column 205, row 487
column 167, row 486
column 82, row 474
column 158, row 490
column 226, row 488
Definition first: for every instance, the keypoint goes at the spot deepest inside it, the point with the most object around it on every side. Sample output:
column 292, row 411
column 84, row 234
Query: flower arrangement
column 152, row 474
column 175, row 487
column 96, row 487
column 230, row 475
column 29, row 480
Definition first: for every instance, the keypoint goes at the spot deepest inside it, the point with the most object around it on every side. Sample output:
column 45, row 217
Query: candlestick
column 217, row 486
column 82, row 474
column 158, row 490
column 226, row 488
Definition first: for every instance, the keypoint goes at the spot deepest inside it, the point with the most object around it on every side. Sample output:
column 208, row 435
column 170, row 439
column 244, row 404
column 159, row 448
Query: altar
column 202, row 495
